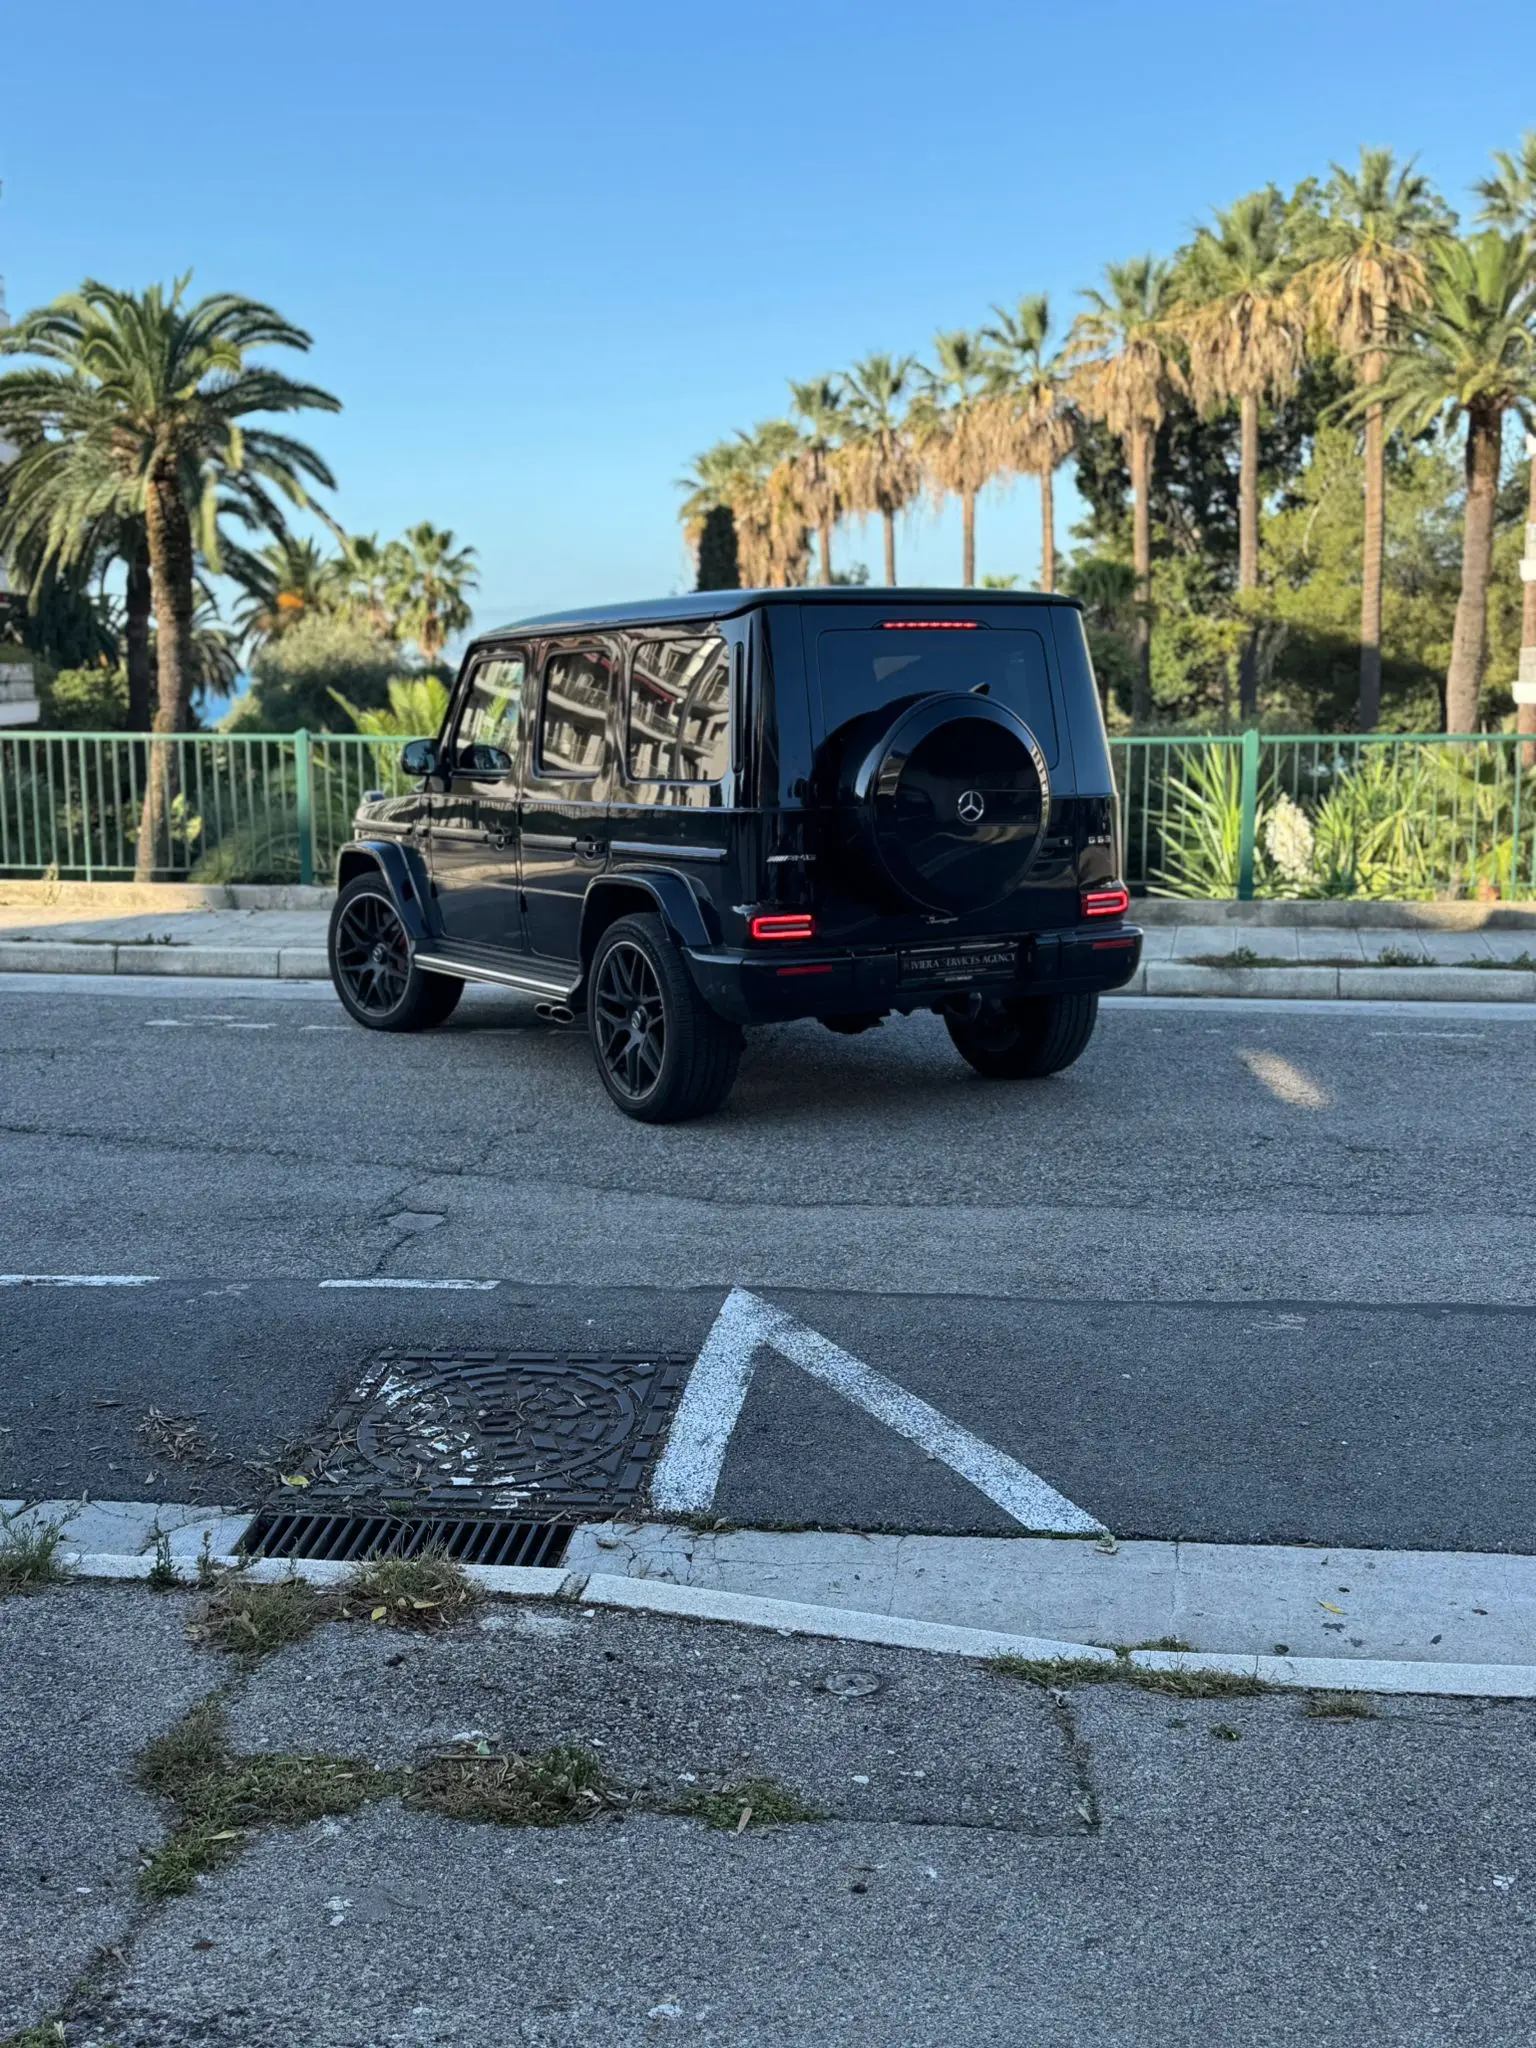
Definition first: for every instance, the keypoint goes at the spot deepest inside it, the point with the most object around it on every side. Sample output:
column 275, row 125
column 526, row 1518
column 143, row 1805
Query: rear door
column 568, row 789
column 472, row 848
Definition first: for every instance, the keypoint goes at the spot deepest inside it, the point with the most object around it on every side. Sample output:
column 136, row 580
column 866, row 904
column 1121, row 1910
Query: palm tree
column 1041, row 421
column 880, row 468
column 957, row 429
column 814, row 473
column 150, row 395
column 1509, row 196
column 1126, row 370
column 1467, row 355
column 284, row 582
column 429, row 579
column 1365, row 271
column 1239, row 318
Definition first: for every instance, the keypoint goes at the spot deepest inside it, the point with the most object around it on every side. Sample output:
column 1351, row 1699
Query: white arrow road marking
column 688, row 1470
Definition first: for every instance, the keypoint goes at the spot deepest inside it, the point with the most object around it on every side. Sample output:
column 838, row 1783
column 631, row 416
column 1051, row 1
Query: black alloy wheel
column 373, row 954
column 372, row 967
column 631, row 1021
column 662, row 1052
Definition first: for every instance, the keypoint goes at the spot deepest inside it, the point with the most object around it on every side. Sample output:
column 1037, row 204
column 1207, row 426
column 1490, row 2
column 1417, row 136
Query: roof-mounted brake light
column 931, row 625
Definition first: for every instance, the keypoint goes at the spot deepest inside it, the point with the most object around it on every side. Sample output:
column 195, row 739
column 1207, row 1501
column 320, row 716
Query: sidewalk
column 1448, row 952
column 791, row 1843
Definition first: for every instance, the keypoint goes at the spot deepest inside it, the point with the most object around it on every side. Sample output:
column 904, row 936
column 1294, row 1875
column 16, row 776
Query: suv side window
column 573, row 710
column 490, row 720
column 679, row 726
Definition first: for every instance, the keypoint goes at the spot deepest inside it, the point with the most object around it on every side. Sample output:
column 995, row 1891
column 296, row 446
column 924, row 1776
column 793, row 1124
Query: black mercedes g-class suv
column 691, row 815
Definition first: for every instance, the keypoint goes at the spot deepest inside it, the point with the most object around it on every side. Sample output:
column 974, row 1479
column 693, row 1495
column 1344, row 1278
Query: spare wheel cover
column 956, row 799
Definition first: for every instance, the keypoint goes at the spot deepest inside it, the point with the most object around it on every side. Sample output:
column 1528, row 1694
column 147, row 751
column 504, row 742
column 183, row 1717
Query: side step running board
column 524, row 981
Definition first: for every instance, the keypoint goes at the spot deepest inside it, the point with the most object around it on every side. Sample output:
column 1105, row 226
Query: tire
column 681, row 1059
column 1025, row 1040
column 373, row 969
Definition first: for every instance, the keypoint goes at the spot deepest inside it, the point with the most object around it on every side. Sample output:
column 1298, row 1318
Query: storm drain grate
column 349, row 1539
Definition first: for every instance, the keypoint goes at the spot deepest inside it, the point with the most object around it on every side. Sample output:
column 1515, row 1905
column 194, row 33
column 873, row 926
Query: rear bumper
column 772, row 984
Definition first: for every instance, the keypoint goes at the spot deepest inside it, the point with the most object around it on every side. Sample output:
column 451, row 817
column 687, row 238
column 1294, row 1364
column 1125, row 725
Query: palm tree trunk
column 1047, row 531
column 1368, row 711
column 968, row 540
column 1485, row 434
column 1525, row 715
column 825, row 572
column 890, row 546
column 136, row 633
column 170, row 570
column 1141, row 556
column 1248, row 552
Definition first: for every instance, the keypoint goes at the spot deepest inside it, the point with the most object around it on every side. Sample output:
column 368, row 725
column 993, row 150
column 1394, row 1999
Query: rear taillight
column 1112, row 902
column 792, row 924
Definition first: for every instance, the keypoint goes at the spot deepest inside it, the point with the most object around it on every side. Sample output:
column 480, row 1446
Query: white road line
column 466, row 1286
column 78, row 1279
column 1341, row 1008
column 688, row 1471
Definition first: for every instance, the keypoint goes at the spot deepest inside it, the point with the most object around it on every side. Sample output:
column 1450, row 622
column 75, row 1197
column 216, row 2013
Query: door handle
column 591, row 849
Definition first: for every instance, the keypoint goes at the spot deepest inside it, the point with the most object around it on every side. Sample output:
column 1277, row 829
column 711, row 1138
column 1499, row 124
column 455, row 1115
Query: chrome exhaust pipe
column 555, row 1013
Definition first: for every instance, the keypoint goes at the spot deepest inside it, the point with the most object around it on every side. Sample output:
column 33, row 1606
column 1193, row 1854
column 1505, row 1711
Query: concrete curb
column 846, row 1625
column 1302, row 983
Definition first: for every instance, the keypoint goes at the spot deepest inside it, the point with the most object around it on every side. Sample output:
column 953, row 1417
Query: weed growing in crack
column 547, row 1790
column 246, row 1617
column 163, row 1576
column 29, row 1555
column 429, row 1590
column 1061, row 1673
column 49, row 2034
column 755, row 1803
column 218, row 1799
column 1341, row 1706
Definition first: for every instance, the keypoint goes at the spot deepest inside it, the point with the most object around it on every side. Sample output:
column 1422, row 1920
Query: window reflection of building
column 495, row 700
column 679, row 711
column 577, row 687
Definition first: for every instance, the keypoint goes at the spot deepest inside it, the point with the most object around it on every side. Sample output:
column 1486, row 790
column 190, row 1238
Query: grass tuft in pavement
column 218, row 1799
column 1062, row 1673
column 1341, row 1706
column 1403, row 956
column 1240, row 956
column 49, row 2034
column 429, row 1590
column 547, row 1790
column 756, row 1803
column 29, row 1556
column 1521, row 960
column 245, row 1617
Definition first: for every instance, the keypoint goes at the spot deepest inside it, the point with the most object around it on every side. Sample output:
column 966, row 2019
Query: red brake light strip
column 931, row 625
column 797, row 924
column 1106, row 902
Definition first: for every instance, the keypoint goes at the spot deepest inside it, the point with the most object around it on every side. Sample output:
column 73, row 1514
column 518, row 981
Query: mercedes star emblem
column 972, row 805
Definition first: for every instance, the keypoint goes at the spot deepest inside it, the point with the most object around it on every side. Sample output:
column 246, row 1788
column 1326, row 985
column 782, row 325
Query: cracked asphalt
column 1247, row 1273
column 996, row 1861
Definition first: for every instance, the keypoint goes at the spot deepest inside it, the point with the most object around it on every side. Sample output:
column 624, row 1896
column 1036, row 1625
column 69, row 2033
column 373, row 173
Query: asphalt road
column 1246, row 1273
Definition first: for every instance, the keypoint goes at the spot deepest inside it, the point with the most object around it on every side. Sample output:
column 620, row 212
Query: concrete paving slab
column 1179, row 978
column 1273, row 943
column 862, row 1731
column 1438, row 984
column 253, row 961
column 45, row 956
column 1332, row 943
column 87, row 1676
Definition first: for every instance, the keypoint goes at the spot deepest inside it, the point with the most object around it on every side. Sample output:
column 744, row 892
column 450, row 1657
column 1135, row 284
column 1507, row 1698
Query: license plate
column 984, row 962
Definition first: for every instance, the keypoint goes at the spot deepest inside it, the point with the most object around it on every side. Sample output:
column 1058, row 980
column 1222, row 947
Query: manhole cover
column 493, row 1431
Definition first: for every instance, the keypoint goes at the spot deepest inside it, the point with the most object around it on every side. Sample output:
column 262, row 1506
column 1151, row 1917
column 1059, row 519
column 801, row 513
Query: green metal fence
column 1303, row 814
column 257, row 807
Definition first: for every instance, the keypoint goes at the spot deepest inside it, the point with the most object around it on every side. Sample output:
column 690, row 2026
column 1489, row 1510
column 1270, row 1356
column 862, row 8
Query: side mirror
column 418, row 757
column 484, row 763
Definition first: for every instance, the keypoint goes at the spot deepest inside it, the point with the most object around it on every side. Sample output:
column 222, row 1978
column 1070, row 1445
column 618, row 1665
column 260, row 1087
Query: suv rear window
column 679, row 710
column 863, row 671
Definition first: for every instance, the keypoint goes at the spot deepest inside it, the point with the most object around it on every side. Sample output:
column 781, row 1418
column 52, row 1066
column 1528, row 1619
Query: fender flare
column 403, row 873
column 679, row 907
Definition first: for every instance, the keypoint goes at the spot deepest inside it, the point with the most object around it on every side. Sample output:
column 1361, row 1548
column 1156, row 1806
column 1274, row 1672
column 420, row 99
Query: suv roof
column 724, row 604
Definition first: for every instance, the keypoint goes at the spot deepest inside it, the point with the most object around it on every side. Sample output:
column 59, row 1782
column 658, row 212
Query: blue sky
column 548, row 253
